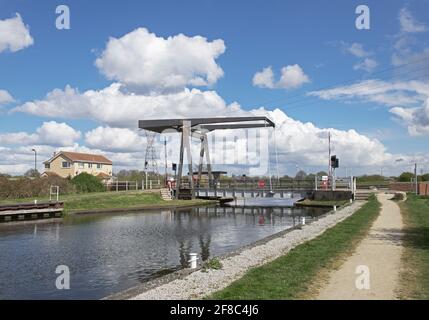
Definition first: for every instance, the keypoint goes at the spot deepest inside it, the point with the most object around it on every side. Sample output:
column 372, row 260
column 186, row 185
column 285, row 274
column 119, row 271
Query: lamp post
column 35, row 161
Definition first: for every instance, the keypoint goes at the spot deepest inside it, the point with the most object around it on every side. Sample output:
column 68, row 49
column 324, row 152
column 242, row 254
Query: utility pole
column 165, row 159
column 35, row 161
column 329, row 160
column 415, row 176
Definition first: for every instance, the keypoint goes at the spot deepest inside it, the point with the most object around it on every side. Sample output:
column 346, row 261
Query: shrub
column 213, row 263
column 28, row 188
column 85, row 182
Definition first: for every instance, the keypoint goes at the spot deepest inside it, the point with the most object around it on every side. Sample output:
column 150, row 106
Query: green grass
column 112, row 200
column 325, row 203
column 293, row 276
column 415, row 272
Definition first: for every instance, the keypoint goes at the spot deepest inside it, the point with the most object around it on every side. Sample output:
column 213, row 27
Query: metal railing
column 134, row 185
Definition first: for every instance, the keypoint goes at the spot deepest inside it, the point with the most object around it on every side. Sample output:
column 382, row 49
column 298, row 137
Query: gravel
column 199, row 284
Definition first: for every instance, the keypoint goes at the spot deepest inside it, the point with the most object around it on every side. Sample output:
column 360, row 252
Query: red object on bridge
column 261, row 183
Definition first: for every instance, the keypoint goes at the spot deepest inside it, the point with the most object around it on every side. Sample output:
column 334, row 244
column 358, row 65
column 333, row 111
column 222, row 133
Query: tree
column 321, row 173
column 310, row 177
column 425, row 177
column 301, row 175
column 406, row 177
column 31, row 173
column 85, row 182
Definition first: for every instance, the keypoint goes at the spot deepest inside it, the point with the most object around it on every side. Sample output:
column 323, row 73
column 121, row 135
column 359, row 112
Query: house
column 70, row 164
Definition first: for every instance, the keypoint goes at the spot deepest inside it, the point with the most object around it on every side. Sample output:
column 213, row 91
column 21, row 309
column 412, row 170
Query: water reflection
column 109, row 253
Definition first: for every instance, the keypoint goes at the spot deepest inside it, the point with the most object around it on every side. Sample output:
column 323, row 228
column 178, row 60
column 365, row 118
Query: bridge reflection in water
column 112, row 252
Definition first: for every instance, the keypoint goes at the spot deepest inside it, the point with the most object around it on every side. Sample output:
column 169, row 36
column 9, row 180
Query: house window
column 89, row 165
column 65, row 164
column 99, row 166
column 81, row 165
column 47, row 166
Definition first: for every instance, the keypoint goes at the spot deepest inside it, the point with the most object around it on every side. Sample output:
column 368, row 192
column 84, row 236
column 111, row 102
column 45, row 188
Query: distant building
column 70, row 164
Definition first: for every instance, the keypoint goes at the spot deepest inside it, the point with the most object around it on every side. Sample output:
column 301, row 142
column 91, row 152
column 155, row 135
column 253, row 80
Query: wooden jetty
column 31, row 211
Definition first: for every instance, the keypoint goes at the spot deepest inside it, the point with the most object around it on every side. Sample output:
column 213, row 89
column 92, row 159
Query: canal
column 109, row 253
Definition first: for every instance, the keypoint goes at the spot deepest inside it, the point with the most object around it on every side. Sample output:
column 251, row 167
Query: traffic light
column 335, row 162
column 174, row 166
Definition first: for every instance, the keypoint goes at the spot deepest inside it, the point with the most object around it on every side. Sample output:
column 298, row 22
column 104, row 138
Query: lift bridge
column 199, row 128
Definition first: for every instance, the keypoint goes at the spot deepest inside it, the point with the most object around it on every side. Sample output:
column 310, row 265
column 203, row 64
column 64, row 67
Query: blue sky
column 316, row 35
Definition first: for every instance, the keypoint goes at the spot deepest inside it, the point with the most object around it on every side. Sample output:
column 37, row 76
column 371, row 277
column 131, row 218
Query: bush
column 28, row 188
column 85, row 182
column 213, row 263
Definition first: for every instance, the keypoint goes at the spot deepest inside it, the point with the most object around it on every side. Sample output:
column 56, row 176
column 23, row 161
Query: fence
column 134, row 185
column 281, row 184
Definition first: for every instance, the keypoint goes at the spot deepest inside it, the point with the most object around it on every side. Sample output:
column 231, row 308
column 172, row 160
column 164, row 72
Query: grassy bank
column 415, row 272
column 112, row 200
column 325, row 203
column 293, row 276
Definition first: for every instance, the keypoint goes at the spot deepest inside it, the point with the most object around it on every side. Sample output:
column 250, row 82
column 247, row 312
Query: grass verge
column 113, row 200
column 324, row 203
column 293, row 275
column 415, row 260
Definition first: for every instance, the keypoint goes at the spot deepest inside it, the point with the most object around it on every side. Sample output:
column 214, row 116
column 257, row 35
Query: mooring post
column 193, row 260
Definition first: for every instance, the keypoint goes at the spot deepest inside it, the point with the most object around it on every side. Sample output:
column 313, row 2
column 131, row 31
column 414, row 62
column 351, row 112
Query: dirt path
column 380, row 251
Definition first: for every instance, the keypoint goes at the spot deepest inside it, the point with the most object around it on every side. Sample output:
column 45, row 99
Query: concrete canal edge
column 189, row 284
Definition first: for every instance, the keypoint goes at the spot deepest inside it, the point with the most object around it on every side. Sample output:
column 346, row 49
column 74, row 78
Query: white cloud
column 115, row 139
column 14, row 34
column 50, row 133
column 5, row 97
column 143, row 60
column 416, row 119
column 367, row 65
column 307, row 144
column 409, row 23
column 115, row 108
column 378, row 91
column 357, row 50
column 264, row 78
column 292, row 77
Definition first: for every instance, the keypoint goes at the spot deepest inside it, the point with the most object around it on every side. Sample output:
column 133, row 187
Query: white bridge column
column 185, row 145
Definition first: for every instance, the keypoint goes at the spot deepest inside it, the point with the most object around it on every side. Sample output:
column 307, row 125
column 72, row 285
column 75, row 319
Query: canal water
column 109, row 253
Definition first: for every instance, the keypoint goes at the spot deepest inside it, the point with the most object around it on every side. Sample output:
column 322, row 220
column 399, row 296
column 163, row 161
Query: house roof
column 81, row 157
column 103, row 175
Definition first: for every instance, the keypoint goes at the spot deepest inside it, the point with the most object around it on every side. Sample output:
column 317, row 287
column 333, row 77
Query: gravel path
column 380, row 251
column 199, row 284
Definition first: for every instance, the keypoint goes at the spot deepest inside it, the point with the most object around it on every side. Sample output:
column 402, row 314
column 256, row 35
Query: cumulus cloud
column 416, row 119
column 409, row 23
column 142, row 59
column 5, row 97
column 115, row 139
column 297, row 141
column 14, row 34
column 307, row 144
column 50, row 133
column 116, row 108
column 292, row 77
column 264, row 78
